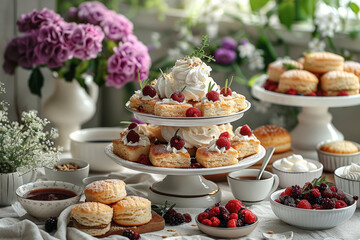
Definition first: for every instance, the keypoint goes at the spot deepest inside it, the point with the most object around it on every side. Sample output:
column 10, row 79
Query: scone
column 142, row 101
column 322, row 62
column 336, row 83
column 132, row 211
column 275, row 69
column 105, row 191
column 131, row 146
column 245, row 142
column 219, row 153
column 237, row 99
column 170, row 108
column 274, row 136
column 214, row 104
column 163, row 155
column 92, row 218
column 302, row 81
column 339, row 147
column 352, row 67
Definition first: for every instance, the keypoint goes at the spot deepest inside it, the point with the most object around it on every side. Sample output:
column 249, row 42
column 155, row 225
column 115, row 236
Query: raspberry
column 327, row 193
column 149, row 91
column 291, row 91
column 313, row 94
column 187, row 217
column 327, row 203
column 213, row 96
column 282, row 194
column 333, row 188
column 51, row 224
column 343, row 93
column 132, row 125
column 223, row 142
column 270, row 85
column 225, row 134
column 316, row 193
column 288, row 191
column 214, row 211
column 316, row 206
column 232, row 223
column 207, row 222
column 215, row 222
column 141, row 108
column 277, row 200
column 131, row 234
column 340, row 204
column 304, row 204
column 177, row 142
column 249, row 217
column 202, row 216
column 234, row 216
column 144, row 159
column 228, row 92
column 193, row 112
column 178, row 96
column 233, row 206
column 132, row 136
column 245, row 130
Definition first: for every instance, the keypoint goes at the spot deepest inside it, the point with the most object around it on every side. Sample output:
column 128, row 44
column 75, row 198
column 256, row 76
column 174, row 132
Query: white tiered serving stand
column 314, row 119
column 186, row 187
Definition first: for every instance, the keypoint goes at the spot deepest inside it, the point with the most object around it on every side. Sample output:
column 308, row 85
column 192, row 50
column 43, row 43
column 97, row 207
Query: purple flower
column 9, row 66
column 72, row 14
column 244, row 42
column 224, row 56
column 36, row 19
column 116, row 27
column 50, row 33
column 92, row 12
column 11, row 51
column 229, row 43
column 128, row 59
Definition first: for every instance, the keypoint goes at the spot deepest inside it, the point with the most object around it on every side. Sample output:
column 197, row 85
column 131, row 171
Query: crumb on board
column 176, row 234
column 171, row 230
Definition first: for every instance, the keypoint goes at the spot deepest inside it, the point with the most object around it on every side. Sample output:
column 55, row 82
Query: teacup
column 245, row 187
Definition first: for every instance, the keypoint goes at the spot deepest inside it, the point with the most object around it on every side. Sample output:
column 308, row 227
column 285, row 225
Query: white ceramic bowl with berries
column 232, row 225
column 351, row 186
column 315, row 219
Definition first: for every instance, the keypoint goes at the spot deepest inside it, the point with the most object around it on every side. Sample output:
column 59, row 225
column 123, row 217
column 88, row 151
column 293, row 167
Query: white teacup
column 245, row 187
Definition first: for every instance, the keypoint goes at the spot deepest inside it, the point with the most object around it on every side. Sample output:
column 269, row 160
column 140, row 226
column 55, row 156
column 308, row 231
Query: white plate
column 243, row 163
column 187, row 121
column 260, row 92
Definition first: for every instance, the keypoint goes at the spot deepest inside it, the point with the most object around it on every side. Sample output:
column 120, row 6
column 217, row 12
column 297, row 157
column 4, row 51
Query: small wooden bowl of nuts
column 68, row 170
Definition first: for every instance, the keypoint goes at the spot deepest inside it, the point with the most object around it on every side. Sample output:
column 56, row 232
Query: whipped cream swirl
column 143, row 141
column 242, row 138
column 214, row 148
column 165, row 85
column 294, row 163
column 352, row 172
column 171, row 149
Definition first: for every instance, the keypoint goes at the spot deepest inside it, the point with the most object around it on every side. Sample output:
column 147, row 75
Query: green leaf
column 354, row 34
column 82, row 83
column 81, row 68
column 289, row 66
column 253, row 79
column 264, row 44
column 286, row 13
column 36, row 81
column 100, row 69
column 332, row 3
column 354, row 7
column 256, row 5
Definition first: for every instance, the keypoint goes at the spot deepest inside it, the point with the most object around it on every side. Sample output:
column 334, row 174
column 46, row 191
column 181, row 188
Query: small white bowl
column 89, row 145
column 227, row 232
column 72, row 176
column 45, row 209
column 310, row 218
column 333, row 161
column 288, row 179
column 347, row 185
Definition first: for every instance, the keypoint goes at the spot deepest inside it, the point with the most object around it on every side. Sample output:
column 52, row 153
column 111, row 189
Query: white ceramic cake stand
column 185, row 186
column 314, row 119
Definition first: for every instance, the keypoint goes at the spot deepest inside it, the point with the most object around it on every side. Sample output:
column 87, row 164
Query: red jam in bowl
column 49, row 194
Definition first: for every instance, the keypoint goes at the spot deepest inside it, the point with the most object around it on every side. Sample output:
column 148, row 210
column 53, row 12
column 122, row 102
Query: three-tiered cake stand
column 185, row 186
column 314, row 120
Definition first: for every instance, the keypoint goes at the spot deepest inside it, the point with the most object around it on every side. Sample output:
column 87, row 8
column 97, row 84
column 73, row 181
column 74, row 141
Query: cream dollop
column 171, row 101
column 195, row 75
column 196, row 136
column 214, row 148
column 143, row 141
column 165, row 85
column 238, row 137
column 294, row 163
column 352, row 172
column 139, row 94
column 171, row 149
column 140, row 129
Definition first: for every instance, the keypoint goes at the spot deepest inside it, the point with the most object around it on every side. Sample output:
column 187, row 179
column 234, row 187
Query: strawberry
column 232, row 223
column 149, row 91
column 178, row 96
column 213, row 96
column 304, row 204
column 228, row 92
column 249, row 217
column 132, row 136
column 177, row 142
column 223, row 142
column 193, row 112
column 340, row 204
column 245, row 130
column 132, row 125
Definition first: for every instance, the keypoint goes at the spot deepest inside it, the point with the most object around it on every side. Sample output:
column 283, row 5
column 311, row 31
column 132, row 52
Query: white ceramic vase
column 70, row 106
column 9, row 182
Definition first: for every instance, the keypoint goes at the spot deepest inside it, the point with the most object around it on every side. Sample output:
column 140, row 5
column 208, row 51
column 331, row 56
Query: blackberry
column 313, row 200
column 322, row 186
column 177, row 219
column 224, row 214
column 296, row 191
column 355, row 197
column 349, row 200
column 328, row 203
column 289, row 201
column 51, row 224
column 169, row 214
column 207, row 210
column 223, row 223
column 131, row 234
column 327, row 193
column 239, row 223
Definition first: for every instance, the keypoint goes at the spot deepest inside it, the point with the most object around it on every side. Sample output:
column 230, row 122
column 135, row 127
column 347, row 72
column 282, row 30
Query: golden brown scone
column 161, row 157
column 301, row 61
column 340, row 147
column 239, row 101
column 302, row 81
column 322, row 62
column 218, row 108
column 246, row 148
column 274, row 136
column 130, row 153
column 154, row 133
column 139, row 104
column 275, row 69
column 210, row 159
column 352, row 67
column 105, row 191
column 92, row 218
column 132, row 211
column 334, row 82
column 171, row 110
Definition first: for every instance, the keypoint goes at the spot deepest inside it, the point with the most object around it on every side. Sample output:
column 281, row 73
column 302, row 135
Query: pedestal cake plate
column 185, row 186
column 314, row 119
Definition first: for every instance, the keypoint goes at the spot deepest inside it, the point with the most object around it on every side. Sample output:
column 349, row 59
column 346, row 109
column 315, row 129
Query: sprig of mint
column 162, row 209
column 183, row 89
column 289, row 66
column 144, row 83
column 200, row 52
column 228, row 85
column 316, row 182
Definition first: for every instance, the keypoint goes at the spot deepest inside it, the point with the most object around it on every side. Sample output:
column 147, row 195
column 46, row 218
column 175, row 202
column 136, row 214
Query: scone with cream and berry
column 144, row 100
column 245, row 142
column 175, row 106
column 233, row 97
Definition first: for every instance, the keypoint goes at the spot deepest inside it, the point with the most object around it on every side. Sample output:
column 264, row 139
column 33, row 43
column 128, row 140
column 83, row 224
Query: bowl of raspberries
column 316, row 205
column 233, row 220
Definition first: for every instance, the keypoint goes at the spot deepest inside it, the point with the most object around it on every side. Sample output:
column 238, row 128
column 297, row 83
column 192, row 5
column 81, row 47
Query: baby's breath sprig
column 211, row 86
column 289, row 66
column 227, row 85
column 144, row 83
column 200, row 51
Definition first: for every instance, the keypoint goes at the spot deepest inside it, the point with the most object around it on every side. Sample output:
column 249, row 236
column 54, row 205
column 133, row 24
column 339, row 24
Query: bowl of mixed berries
column 234, row 220
column 316, row 205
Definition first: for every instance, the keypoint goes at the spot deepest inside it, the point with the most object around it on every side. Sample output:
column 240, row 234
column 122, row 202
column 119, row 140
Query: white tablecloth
column 13, row 226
